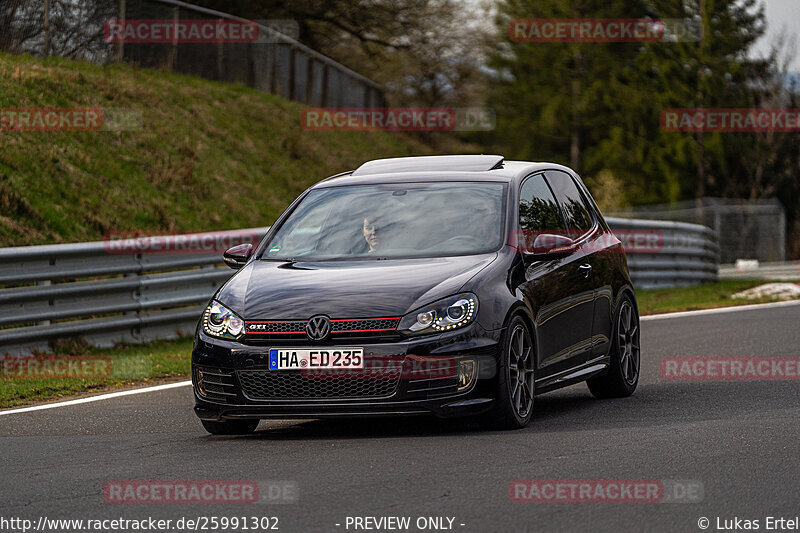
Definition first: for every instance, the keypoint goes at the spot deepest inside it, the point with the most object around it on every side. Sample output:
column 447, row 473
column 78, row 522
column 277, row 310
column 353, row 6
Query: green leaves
column 596, row 106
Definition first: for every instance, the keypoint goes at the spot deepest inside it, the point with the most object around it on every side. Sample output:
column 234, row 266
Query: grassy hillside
column 209, row 155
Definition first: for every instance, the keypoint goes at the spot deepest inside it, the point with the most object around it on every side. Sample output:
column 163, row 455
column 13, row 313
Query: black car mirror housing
column 549, row 246
column 238, row 256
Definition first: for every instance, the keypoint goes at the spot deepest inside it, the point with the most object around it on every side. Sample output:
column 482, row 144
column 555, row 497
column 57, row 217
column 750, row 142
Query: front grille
column 364, row 325
column 258, row 331
column 277, row 326
column 293, row 384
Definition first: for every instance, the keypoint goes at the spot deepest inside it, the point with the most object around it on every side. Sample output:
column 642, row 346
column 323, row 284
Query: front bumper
column 236, row 382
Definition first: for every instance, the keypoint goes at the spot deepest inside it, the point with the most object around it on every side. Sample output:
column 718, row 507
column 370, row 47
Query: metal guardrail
column 686, row 254
column 753, row 229
column 112, row 291
column 109, row 291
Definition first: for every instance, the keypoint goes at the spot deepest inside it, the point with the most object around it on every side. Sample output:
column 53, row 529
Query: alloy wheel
column 628, row 342
column 520, row 371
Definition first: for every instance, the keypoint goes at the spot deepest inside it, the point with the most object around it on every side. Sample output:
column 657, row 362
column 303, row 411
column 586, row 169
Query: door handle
column 585, row 270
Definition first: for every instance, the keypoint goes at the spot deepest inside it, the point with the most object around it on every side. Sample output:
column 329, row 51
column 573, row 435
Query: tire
column 514, row 407
column 623, row 372
column 230, row 427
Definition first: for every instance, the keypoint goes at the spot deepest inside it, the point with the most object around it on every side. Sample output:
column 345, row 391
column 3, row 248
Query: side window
column 538, row 211
column 576, row 214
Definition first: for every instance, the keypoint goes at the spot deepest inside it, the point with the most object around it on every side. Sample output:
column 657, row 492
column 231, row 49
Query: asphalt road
column 739, row 439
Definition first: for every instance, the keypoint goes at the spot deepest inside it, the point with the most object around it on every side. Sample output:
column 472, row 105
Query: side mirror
column 238, row 256
column 549, row 246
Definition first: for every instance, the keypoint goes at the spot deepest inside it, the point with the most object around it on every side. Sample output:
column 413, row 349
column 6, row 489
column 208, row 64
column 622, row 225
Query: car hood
column 269, row 290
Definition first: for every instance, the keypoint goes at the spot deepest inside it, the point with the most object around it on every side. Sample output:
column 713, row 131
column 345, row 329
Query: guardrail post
column 292, row 73
column 324, row 85
column 176, row 18
column 50, row 302
column 136, row 294
column 309, row 81
column 272, row 56
column 220, row 54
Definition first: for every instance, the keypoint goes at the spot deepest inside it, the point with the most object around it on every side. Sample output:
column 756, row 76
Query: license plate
column 315, row 358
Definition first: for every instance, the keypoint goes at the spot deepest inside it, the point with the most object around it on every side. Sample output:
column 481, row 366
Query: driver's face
column 370, row 234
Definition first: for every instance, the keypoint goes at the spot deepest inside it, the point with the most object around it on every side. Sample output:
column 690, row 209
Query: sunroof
column 432, row 163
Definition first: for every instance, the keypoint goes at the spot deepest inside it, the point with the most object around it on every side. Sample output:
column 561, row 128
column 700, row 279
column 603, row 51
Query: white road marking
column 97, row 398
column 717, row 310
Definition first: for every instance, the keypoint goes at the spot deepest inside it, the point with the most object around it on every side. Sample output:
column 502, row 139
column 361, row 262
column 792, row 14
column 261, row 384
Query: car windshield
column 397, row 220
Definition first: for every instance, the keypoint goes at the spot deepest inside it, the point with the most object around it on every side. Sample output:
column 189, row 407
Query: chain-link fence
column 747, row 229
column 274, row 62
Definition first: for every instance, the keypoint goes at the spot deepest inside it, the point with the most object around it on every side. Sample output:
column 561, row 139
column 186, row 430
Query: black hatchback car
column 445, row 285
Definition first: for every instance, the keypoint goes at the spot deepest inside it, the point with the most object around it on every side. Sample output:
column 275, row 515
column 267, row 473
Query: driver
column 370, row 232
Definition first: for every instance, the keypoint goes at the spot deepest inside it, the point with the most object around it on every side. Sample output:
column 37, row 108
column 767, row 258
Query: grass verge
column 122, row 366
column 706, row 296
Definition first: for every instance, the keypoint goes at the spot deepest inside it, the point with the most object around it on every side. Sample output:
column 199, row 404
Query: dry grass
column 209, row 156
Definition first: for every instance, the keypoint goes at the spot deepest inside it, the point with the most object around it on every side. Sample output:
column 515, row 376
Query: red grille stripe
column 276, row 332
column 332, row 320
column 274, row 321
column 361, row 330
column 354, row 319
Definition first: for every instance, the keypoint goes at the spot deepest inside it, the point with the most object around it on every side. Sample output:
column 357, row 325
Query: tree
column 552, row 99
column 596, row 106
column 73, row 28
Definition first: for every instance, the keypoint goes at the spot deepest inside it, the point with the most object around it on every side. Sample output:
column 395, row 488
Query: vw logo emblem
column 318, row 328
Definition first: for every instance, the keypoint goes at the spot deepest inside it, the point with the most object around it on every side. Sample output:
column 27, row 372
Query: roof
column 430, row 163
column 439, row 168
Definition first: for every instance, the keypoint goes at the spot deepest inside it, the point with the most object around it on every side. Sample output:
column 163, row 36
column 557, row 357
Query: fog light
column 200, row 385
column 466, row 373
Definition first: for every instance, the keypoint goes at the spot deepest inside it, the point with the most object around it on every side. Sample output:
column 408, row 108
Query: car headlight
column 445, row 315
column 221, row 322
